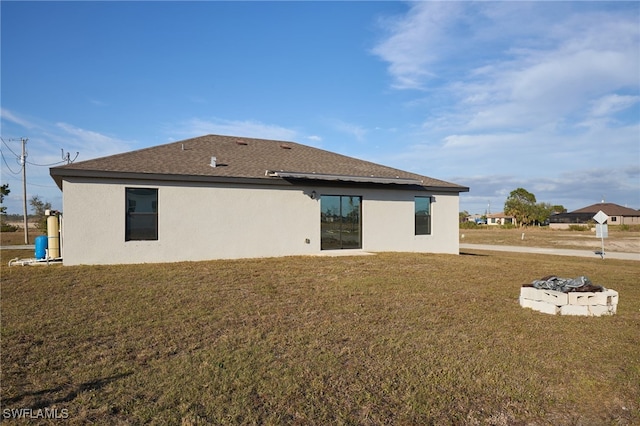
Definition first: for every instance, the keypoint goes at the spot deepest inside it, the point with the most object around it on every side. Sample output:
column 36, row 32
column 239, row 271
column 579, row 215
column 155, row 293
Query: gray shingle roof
column 610, row 209
column 236, row 158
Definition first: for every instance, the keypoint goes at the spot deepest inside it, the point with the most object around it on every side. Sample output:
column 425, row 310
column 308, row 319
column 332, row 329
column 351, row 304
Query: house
column 500, row 219
column 618, row 215
column 227, row 197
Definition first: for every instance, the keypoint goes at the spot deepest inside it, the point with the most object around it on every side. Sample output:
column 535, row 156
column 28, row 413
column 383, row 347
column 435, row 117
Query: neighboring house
column 476, row 218
column 500, row 219
column 226, row 197
column 618, row 215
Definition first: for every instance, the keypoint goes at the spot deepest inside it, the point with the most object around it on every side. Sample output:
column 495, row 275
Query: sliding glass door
column 340, row 222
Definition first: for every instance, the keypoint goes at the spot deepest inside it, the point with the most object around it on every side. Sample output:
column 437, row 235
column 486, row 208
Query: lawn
column 383, row 339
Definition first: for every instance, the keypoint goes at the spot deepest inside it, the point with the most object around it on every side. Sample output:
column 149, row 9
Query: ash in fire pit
column 568, row 296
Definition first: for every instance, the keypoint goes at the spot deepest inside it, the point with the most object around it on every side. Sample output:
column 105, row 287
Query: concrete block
column 557, row 298
column 530, row 293
column 554, row 297
column 575, row 310
column 536, row 305
column 612, row 297
column 586, row 299
column 607, row 298
column 526, row 303
column 599, row 310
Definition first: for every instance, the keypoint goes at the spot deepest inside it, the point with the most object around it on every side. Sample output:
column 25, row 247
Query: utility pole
column 23, row 162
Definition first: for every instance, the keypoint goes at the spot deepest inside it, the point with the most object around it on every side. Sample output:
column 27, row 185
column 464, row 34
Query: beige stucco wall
column 206, row 221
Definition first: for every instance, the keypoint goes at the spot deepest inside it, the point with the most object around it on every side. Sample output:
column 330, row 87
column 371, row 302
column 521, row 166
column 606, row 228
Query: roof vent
column 285, row 146
column 213, row 162
column 238, row 142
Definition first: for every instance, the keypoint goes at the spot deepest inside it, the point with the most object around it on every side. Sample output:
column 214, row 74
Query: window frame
column 341, row 224
column 133, row 230
column 422, row 223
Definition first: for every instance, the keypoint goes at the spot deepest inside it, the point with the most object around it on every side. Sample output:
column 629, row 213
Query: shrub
column 579, row 227
column 468, row 225
column 7, row 227
column 626, row 228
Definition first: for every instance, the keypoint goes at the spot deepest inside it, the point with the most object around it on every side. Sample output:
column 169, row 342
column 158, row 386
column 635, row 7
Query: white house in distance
column 227, row 197
column 500, row 219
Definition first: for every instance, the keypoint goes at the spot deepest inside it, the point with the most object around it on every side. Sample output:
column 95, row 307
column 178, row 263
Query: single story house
column 618, row 215
column 227, row 197
column 500, row 219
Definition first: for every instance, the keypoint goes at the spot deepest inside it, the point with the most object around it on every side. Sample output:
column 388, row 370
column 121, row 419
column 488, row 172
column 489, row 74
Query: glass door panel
column 340, row 222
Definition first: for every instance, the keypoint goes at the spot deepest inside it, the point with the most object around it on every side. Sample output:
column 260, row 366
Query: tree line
column 522, row 205
column 38, row 207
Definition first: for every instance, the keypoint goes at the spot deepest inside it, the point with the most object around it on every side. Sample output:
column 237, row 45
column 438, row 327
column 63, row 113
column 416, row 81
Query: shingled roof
column 610, row 209
column 242, row 159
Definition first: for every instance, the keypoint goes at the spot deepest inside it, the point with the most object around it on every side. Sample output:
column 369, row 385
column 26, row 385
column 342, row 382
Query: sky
column 495, row 96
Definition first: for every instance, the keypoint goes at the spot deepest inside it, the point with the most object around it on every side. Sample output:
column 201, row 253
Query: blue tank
column 41, row 246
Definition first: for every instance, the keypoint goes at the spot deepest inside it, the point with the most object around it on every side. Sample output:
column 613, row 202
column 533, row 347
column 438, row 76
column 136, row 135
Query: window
column 340, row 224
column 423, row 215
column 142, row 214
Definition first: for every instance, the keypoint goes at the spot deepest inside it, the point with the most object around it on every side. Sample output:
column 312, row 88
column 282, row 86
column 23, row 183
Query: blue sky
column 490, row 95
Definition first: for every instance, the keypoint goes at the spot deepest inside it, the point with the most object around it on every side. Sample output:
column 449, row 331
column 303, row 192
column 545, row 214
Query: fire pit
column 564, row 296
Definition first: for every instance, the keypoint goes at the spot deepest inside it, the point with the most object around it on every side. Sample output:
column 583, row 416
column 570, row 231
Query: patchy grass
column 390, row 338
column 618, row 240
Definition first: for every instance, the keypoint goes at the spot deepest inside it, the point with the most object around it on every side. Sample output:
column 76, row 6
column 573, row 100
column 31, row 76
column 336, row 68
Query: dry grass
column 621, row 241
column 17, row 238
column 391, row 338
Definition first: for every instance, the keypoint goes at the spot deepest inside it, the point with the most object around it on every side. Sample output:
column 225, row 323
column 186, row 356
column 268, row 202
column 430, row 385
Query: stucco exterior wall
column 207, row 221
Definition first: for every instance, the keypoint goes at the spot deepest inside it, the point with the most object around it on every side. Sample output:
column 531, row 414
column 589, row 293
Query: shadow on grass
column 463, row 253
column 42, row 401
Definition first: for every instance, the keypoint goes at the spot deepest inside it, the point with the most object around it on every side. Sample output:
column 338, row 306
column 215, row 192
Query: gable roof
column 499, row 215
column 610, row 209
column 243, row 160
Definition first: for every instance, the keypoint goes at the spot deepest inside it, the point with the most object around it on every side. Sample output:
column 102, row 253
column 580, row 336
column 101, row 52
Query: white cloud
column 355, row 130
column 611, row 104
column 411, row 46
column 521, row 94
column 573, row 189
column 528, row 74
column 88, row 143
column 46, row 147
column 7, row 115
column 248, row 128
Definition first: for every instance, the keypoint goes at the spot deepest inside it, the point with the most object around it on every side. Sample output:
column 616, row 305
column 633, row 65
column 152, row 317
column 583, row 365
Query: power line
column 7, row 164
column 3, row 141
column 42, row 186
column 46, row 165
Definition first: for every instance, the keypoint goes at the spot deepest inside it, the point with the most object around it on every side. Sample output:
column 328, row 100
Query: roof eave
column 59, row 173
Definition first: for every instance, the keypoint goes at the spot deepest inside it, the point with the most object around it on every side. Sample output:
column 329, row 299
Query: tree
column 542, row 212
column 521, row 204
column 38, row 206
column 5, row 227
column 4, row 190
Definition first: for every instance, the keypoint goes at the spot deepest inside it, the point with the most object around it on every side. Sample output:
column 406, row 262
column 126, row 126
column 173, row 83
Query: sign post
column 602, row 230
